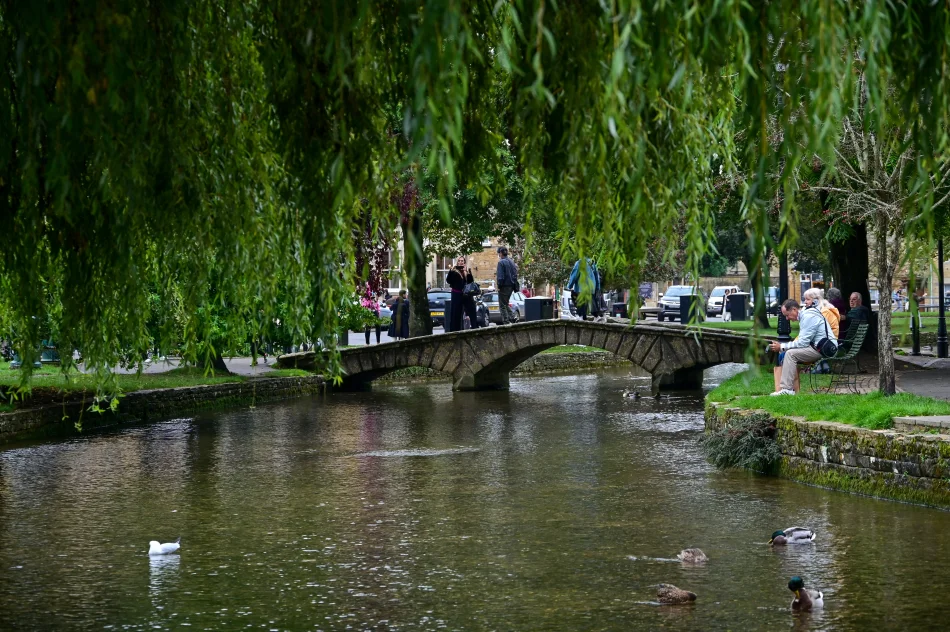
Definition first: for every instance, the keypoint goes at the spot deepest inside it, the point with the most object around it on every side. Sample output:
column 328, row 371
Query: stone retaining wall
column 906, row 466
column 67, row 418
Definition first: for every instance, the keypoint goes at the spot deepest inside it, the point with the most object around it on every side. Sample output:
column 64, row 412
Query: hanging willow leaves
column 220, row 151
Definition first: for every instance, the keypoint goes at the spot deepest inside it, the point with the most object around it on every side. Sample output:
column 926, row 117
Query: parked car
column 772, row 295
column 490, row 300
column 437, row 299
column 481, row 313
column 714, row 306
column 669, row 302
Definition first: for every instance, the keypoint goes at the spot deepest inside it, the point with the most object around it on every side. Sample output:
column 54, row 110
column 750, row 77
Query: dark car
column 437, row 300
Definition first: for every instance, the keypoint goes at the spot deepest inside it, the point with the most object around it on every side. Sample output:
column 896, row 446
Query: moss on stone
column 912, row 468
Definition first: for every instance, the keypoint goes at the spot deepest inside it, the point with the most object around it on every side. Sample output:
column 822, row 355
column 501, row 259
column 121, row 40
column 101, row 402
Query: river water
column 413, row 508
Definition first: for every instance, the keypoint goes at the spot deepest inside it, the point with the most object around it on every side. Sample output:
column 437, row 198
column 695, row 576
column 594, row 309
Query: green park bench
column 848, row 350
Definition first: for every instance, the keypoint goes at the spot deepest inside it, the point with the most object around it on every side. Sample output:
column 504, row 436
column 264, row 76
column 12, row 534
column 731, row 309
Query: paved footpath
column 931, row 379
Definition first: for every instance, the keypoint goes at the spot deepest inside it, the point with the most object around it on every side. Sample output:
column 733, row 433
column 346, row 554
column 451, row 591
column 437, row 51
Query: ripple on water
column 411, row 453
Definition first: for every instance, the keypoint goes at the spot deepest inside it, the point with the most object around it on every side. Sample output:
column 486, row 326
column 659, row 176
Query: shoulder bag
column 827, row 346
column 471, row 289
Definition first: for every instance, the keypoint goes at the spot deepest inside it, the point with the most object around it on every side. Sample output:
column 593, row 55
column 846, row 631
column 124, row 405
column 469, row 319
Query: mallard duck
column 793, row 535
column 692, row 556
column 631, row 394
column 668, row 593
column 805, row 598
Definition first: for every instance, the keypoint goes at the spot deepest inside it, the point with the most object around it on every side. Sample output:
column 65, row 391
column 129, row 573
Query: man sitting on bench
column 802, row 349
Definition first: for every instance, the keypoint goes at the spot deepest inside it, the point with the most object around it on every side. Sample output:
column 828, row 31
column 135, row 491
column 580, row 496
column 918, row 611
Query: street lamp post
column 941, row 309
column 784, row 327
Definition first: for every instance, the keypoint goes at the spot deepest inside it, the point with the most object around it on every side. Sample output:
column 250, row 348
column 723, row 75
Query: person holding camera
column 813, row 335
column 463, row 293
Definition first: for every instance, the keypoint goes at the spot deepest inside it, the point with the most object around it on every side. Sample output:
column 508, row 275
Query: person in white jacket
column 810, row 332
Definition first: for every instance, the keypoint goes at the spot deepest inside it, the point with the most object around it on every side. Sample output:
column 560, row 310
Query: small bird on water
column 692, row 556
column 670, row 594
column 805, row 598
column 632, row 394
column 793, row 535
column 157, row 548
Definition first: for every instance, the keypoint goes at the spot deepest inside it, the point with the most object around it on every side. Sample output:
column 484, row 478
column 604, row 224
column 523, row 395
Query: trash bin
column 619, row 310
column 738, row 306
column 447, row 313
column 691, row 306
column 539, row 308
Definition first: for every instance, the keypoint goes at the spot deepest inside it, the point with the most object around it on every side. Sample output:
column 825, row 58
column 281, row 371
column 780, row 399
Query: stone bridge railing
column 480, row 359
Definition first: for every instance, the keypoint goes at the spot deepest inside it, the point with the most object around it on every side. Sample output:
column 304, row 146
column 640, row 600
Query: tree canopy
column 223, row 150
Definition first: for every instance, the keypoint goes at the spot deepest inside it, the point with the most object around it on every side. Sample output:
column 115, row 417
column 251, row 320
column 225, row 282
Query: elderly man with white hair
column 812, row 329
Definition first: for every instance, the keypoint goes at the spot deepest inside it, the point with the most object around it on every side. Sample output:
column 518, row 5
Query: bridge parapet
column 479, row 359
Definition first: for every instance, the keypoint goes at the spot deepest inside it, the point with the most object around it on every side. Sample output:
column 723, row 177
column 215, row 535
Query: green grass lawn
column 874, row 410
column 746, row 325
column 52, row 379
column 573, row 349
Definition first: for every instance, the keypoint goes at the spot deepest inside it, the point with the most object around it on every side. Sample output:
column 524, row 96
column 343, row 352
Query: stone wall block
column 599, row 339
column 585, row 336
column 549, row 335
column 524, row 341
column 561, row 336
column 534, row 337
column 654, row 357
column 427, row 357
column 613, row 341
column 457, row 351
column 442, row 352
column 711, row 351
column 572, row 334
column 644, row 345
column 628, row 343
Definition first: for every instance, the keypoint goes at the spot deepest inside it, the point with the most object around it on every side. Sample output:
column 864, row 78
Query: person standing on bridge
column 506, row 275
column 462, row 284
column 400, row 325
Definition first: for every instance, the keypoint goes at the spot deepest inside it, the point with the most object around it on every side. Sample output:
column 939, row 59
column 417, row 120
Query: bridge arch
column 482, row 359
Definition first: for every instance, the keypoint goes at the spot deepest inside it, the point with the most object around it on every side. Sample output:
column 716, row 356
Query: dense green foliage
column 219, row 154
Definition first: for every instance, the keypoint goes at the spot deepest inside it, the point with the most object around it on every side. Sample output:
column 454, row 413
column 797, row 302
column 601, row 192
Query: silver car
column 516, row 304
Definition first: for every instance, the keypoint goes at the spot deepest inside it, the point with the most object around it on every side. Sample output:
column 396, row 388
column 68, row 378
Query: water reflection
column 413, row 507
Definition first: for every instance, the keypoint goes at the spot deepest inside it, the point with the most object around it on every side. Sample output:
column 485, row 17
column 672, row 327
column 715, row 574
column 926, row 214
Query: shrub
column 746, row 441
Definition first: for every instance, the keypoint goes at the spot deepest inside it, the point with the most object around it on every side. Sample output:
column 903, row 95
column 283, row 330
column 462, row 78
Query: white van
column 714, row 305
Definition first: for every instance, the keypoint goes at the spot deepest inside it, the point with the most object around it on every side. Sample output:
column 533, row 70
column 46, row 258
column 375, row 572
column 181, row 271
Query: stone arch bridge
column 481, row 359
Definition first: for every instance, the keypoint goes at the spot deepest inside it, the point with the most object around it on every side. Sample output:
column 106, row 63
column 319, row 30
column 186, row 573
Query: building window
column 391, row 276
column 442, row 267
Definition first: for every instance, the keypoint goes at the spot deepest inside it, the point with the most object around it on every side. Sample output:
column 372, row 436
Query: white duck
column 157, row 548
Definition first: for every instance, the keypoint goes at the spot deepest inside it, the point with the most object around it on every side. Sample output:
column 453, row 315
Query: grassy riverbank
column 873, row 410
column 50, row 381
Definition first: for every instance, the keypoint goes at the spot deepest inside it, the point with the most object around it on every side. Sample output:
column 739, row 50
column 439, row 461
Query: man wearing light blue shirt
column 812, row 329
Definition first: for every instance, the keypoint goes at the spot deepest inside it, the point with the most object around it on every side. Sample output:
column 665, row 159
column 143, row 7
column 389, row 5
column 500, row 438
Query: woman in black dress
column 400, row 325
column 458, row 278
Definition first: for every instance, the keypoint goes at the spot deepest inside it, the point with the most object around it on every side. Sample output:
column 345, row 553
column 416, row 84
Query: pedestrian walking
column 399, row 328
column 463, row 292
column 371, row 302
column 592, row 281
column 506, row 275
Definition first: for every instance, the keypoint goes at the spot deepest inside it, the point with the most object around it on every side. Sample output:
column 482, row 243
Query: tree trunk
column 885, row 277
column 216, row 362
column 420, row 321
column 849, row 264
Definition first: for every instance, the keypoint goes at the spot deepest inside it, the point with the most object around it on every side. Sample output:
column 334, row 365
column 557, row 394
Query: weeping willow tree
column 141, row 140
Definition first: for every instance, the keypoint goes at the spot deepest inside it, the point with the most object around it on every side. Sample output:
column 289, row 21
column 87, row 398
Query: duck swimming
column 631, row 394
column 670, row 594
column 793, row 535
column 805, row 598
column 692, row 556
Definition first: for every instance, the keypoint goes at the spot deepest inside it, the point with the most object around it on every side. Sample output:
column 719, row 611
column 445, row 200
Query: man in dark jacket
column 506, row 279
